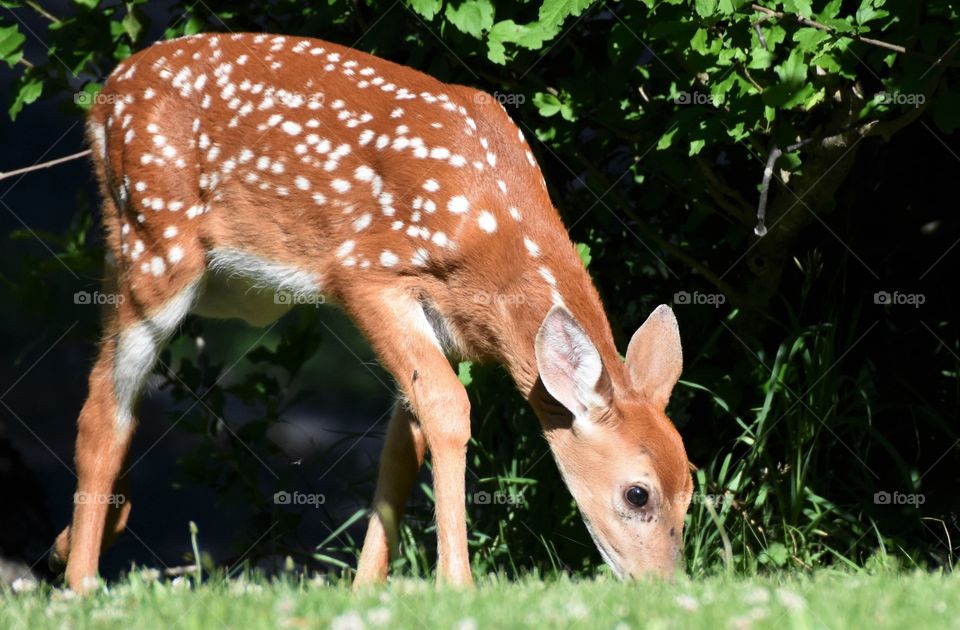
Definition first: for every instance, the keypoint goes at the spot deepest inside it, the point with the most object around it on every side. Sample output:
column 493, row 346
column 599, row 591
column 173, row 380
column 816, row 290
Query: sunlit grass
column 824, row 599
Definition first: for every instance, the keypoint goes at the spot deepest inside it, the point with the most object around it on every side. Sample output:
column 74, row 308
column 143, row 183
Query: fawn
column 233, row 166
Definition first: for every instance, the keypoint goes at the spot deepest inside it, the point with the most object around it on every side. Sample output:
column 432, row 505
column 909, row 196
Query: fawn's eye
column 637, row 496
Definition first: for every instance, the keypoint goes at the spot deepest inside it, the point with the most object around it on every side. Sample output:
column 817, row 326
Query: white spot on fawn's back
column 458, row 204
column 388, row 258
column 487, row 222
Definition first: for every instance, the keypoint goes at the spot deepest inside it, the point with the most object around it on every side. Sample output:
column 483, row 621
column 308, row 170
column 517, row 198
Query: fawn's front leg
column 400, row 462
column 394, row 323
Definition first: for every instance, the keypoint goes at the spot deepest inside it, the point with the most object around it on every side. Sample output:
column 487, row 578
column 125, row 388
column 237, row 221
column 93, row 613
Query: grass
column 822, row 600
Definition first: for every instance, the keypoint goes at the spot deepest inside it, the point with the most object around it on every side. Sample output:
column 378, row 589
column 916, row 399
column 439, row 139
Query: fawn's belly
column 236, row 298
column 244, row 286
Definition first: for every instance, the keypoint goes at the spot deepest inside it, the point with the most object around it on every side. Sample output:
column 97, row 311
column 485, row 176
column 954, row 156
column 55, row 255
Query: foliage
column 653, row 121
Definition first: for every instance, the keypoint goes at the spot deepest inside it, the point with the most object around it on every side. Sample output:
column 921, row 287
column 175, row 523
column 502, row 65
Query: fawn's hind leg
column 400, row 462
column 151, row 211
column 134, row 335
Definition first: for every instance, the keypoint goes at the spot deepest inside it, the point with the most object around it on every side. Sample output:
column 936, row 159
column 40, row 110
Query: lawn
column 823, row 600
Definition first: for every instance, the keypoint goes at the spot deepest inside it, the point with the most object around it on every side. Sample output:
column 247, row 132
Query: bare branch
column 832, row 31
column 42, row 165
column 775, row 153
column 760, row 37
column 40, row 10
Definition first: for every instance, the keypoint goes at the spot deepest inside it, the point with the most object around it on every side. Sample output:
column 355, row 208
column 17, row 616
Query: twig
column 775, row 153
column 760, row 37
column 25, row 62
column 42, row 165
column 831, row 30
column 746, row 72
column 36, row 7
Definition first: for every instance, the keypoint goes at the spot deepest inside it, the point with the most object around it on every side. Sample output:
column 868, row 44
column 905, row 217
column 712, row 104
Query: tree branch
column 36, row 7
column 832, row 31
column 42, row 165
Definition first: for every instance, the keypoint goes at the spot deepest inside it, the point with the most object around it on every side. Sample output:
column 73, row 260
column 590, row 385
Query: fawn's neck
column 573, row 287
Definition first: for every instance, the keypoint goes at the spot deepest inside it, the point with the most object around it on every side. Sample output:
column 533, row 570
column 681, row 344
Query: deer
column 235, row 166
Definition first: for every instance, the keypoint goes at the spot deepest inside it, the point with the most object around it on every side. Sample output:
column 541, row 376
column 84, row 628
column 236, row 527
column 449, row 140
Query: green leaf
column 699, row 41
column 828, row 62
column 426, row 8
column 831, row 10
column 29, row 91
column 132, row 26
column 705, row 8
column 808, row 39
column 801, row 7
column 547, row 104
column 868, row 12
column 88, row 4
column 775, row 554
column 463, row 373
column 583, row 251
column 666, row 139
column 554, row 12
column 530, row 36
column 11, row 41
column 472, row 17
column 760, row 59
column 86, row 97
column 793, row 88
column 193, row 26
column 793, row 70
column 729, row 7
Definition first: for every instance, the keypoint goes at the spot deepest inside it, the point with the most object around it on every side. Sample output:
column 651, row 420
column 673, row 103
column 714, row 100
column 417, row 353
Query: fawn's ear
column 569, row 364
column 654, row 356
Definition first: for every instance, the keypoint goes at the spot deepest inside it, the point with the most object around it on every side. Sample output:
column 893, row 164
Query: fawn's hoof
column 57, row 558
column 56, row 563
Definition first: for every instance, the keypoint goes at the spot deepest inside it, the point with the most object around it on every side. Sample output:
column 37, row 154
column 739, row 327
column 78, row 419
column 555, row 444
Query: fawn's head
column 622, row 458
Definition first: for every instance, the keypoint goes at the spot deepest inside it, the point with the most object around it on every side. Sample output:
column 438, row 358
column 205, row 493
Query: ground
column 822, row 600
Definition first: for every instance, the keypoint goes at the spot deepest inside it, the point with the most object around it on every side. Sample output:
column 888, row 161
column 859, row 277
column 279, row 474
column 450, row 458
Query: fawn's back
column 301, row 165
